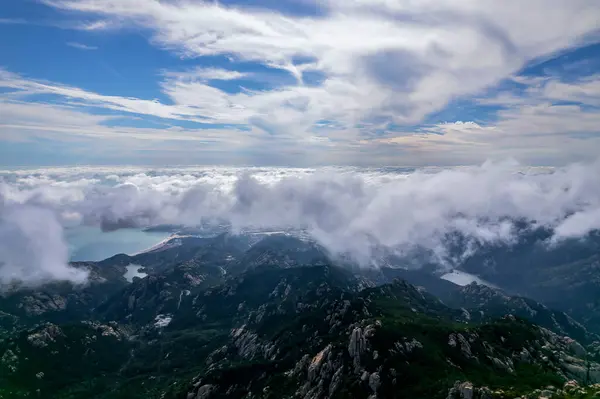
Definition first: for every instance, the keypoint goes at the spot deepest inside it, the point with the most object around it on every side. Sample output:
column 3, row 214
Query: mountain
column 60, row 302
column 220, row 250
column 484, row 303
column 481, row 303
column 229, row 317
column 563, row 274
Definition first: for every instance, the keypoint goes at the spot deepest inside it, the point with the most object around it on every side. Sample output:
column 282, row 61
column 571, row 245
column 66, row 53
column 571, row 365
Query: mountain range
column 276, row 316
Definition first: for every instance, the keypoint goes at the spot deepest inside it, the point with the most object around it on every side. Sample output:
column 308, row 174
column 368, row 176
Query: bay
column 92, row 244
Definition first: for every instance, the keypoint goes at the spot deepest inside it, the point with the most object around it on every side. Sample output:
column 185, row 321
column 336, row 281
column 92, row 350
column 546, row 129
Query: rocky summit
column 239, row 317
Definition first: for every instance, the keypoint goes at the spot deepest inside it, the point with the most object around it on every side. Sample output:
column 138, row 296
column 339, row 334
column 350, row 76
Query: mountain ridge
column 210, row 321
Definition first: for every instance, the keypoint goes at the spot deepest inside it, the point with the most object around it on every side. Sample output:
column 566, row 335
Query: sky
column 298, row 82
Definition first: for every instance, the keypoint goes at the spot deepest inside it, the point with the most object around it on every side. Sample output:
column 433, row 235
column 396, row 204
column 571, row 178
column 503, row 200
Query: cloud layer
column 348, row 210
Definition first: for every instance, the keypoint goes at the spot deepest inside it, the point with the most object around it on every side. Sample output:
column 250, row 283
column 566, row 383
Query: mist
column 350, row 211
column 32, row 249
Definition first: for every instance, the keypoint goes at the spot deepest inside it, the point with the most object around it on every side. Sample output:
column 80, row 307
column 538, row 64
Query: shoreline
column 161, row 244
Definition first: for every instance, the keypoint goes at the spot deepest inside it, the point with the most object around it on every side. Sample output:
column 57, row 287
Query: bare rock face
column 507, row 364
column 336, row 380
column 317, row 361
column 39, row 303
column 356, row 346
column 204, row 391
column 575, row 347
column 466, row 390
column 525, row 356
column 45, row 336
column 567, row 356
column 374, row 382
column 249, row 345
column 321, row 374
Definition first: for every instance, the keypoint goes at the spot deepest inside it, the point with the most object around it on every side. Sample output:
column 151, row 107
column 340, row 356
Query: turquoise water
column 91, row 243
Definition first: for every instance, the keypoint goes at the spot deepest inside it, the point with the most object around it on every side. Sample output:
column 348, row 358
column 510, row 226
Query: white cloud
column 585, row 91
column 404, row 59
column 378, row 62
column 194, row 100
column 206, row 74
column 20, row 121
column 25, row 87
column 32, row 248
column 287, row 121
column 545, row 121
column 346, row 209
column 81, row 46
column 97, row 25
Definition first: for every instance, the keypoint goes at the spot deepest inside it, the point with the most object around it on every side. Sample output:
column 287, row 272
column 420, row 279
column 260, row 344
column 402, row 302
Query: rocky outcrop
column 111, row 329
column 249, row 345
column 356, row 346
column 43, row 337
column 374, row 383
column 324, row 374
column 203, row 392
column 568, row 356
column 406, row 347
column 458, row 340
column 9, row 360
column 39, row 303
column 466, row 390
column 317, row 362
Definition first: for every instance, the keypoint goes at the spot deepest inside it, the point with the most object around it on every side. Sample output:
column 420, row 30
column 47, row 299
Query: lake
column 92, row 244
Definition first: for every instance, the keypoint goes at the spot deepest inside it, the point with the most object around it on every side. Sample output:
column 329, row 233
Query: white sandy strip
column 164, row 244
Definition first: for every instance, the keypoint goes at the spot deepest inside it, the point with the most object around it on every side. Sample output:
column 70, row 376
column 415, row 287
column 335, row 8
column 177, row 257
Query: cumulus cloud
column 32, row 248
column 348, row 210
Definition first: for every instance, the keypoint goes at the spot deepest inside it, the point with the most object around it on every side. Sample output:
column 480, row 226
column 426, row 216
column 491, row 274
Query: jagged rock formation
column 221, row 318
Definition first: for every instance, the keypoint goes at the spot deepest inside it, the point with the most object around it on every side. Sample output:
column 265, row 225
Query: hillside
column 226, row 319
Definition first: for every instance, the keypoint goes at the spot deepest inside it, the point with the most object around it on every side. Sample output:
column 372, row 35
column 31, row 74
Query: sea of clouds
column 347, row 210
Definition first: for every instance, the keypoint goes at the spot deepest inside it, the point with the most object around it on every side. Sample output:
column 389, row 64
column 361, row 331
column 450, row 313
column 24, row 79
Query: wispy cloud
column 99, row 25
column 543, row 119
column 534, row 129
column 383, row 67
column 402, row 71
column 205, row 74
column 81, row 46
column 12, row 21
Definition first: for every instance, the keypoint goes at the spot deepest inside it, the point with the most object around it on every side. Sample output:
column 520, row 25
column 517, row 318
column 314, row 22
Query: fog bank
column 347, row 210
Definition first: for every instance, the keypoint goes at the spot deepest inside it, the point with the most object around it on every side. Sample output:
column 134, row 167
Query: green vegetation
column 269, row 331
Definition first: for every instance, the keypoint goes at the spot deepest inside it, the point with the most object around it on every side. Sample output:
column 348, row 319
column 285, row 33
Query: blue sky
column 298, row 82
